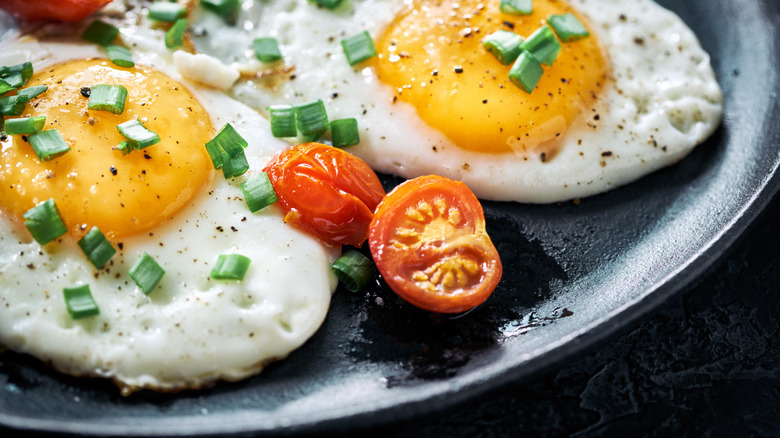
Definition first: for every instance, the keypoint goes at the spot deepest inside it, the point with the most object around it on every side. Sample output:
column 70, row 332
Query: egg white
column 191, row 330
column 662, row 100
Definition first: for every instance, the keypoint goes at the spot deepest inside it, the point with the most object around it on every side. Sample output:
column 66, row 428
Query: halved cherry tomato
column 429, row 242
column 62, row 10
column 326, row 191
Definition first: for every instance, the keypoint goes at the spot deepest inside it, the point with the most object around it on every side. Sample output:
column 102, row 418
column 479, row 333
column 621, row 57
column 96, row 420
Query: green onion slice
column 15, row 80
column 311, row 118
column 101, row 33
column 146, row 273
column 504, row 45
column 166, row 11
column 517, row 7
column 230, row 267
column 97, row 248
column 282, row 120
column 24, row 69
column 344, row 132
column 79, row 302
column 13, row 105
column 109, row 98
column 258, row 192
column 44, row 222
column 226, row 150
column 24, row 125
column 48, row 144
column 354, row 270
column 120, row 55
column 568, row 27
column 267, row 49
column 123, row 147
column 526, row 72
column 221, row 7
column 175, row 36
column 358, row 47
column 543, row 45
column 5, row 86
column 327, row 4
column 31, row 92
column 136, row 133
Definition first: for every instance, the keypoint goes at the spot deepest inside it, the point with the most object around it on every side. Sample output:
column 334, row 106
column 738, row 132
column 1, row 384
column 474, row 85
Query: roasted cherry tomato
column 429, row 242
column 326, row 191
column 62, row 10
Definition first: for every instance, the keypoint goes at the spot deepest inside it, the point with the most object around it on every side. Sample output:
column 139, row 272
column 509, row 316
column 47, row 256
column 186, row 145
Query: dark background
column 707, row 363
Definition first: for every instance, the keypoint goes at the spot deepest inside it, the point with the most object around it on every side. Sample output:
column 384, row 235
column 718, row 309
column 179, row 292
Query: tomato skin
column 326, row 191
column 62, row 10
column 429, row 242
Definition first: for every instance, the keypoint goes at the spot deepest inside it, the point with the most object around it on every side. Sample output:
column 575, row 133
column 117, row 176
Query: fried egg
column 636, row 95
column 167, row 201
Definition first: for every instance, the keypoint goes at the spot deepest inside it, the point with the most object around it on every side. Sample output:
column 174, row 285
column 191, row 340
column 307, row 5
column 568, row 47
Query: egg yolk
column 432, row 55
column 93, row 184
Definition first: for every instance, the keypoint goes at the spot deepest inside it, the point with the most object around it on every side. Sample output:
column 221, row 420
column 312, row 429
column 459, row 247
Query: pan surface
column 575, row 275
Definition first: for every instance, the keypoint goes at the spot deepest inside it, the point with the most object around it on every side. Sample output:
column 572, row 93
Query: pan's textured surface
column 575, row 275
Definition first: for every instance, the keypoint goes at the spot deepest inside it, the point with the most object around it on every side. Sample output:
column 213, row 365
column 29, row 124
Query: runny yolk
column 93, row 184
column 433, row 57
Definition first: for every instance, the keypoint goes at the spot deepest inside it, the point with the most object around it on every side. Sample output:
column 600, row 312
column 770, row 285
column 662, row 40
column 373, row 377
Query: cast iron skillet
column 575, row 275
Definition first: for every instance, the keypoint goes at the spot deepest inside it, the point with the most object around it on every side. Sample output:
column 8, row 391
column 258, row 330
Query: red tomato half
column 428, row 240
column 326, row 191
column 62, row 10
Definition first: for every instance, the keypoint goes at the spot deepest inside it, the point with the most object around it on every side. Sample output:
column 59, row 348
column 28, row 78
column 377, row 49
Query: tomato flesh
column 63, row 10
column 429, row 242
column 326, row 191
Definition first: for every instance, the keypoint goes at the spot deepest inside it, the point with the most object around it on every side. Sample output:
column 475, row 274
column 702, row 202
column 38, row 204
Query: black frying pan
column 575, row 275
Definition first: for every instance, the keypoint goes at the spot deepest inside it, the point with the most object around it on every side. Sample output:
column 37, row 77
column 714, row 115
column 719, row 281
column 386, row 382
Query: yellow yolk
column 93, row 184
column 433, row 57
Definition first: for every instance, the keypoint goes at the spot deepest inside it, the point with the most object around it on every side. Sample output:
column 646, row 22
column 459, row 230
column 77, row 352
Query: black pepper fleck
column 458, row 69
column 86, row 91
column 113, row 170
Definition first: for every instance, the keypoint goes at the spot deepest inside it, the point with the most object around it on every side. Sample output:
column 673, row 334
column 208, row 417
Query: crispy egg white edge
column 190, row 331
column 663, row 100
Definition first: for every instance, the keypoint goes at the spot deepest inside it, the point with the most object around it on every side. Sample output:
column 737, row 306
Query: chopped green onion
column 235, row 166
column 15, row 80
column 109, row 98
column 5, row 86
column 353, row 269
column 136, row 133
column 504, row 45
column 526, row 72
column 328, row 4
column 24, row 125
column 146, row 273
column 358, row 47
column 344, row 132
column 230, row 267
column 13, row 105
column 267, row 49
column 101, row 33
column 568, row 27
column 25, row 69
column 31, row 92
column 282, row 120
column 48, row 144
column 97, row 248
column 221, row 7
column 311, row 118
column 120, row 55
column 517, row 7
column 258, row 192
column 44, row 222
column 79, row 302
column 175, row 36
column 226, row 150
column 543, row 45
column 123, row 147
column 166, row 11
